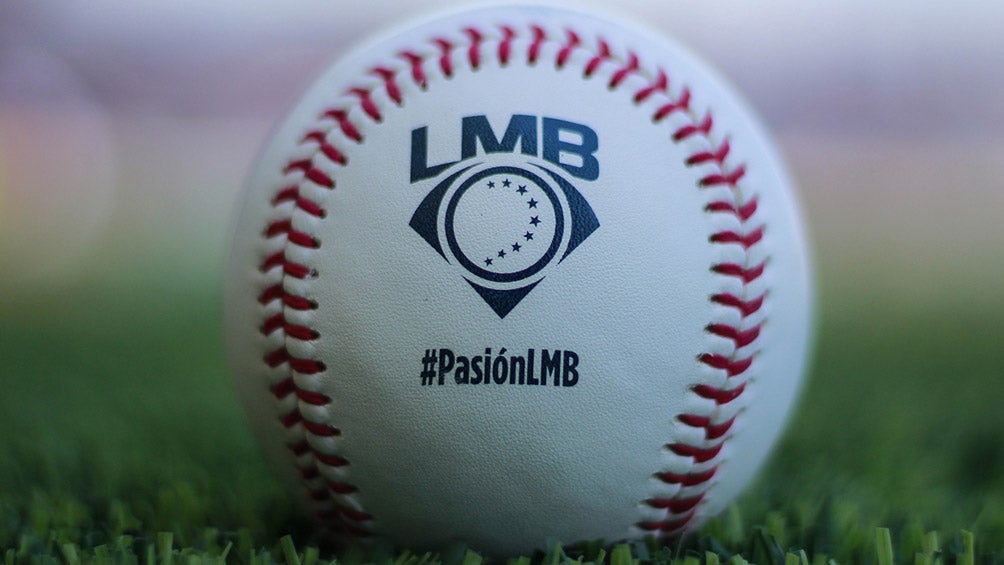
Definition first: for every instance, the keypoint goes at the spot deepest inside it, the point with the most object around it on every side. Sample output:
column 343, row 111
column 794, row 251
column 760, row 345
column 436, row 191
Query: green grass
column 121, row 440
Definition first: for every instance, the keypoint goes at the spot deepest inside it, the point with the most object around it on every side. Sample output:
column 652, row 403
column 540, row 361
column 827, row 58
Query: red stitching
column 319, row 177
column 703, row 128
column 302, row 333
column 711, row 431
column 291, row 419
column 718, row 155
column 675, row 505
column 680, row 104
column 700, row 455
column 726, row 177
column 347, row 127
column 288, row 194
column 312, row 398
column 661, row 84
column 275, row 260
column 445, row 64
column 310, row 207
column 694, row 421
column 273, row 323
column 389, row 84
column 417, row 73
column 719, row 395
column 322, row 430
column 748, row 237
column 742, row 338
column 505, row 46
column 747, row 307
column 747, row 240
column 314, row 174
column 271, row 293
column 318, row 495
column 603, row 54
column 730, row 178
column 276, row 358
column 331, row 460
column 295, row 237
column 299, row 448
column 622, row 73
column 354, row 515
column 732, row 367
column 744, row 212
column 474, row 51
column 302, row 239
column 278, row 227
column 539, row 35
column 284, row 388
column 342, row 488
column 298, row 302
column 369, row 107
column 748, row 275
column 688, row 479
column 300, row 165
column 682, row 509
column 566, row 49
column 305, row 366
column 296, row 270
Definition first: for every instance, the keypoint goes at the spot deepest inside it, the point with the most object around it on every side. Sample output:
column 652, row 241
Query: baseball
column 518, row 273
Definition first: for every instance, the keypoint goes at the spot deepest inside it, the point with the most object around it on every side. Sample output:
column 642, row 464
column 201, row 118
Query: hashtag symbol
column 428, row 366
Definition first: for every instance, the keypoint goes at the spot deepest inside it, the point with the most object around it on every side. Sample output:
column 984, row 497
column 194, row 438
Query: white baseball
column 518, row 273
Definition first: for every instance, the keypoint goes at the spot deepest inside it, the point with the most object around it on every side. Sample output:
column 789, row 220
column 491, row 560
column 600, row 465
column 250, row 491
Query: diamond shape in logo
column 504, row 227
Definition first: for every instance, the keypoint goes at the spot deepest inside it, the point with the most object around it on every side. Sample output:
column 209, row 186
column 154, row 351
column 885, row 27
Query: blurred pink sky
column 897, row 64
column 137, row 121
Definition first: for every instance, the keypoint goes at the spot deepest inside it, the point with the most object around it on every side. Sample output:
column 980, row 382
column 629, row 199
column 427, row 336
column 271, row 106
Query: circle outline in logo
column 474, row 268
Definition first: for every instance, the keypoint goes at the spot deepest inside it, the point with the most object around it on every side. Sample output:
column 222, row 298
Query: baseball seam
column 287, row 307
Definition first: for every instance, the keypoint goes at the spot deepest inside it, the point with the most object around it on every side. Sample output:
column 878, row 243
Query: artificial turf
column 122, row 440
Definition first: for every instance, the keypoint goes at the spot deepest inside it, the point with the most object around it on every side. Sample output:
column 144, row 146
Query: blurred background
column 126, row 129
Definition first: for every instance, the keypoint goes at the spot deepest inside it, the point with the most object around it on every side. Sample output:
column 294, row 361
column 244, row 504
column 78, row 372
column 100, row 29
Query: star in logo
column 463, row 218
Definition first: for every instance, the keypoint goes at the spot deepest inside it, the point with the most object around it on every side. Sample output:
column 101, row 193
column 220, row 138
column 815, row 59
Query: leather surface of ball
column 518, row 273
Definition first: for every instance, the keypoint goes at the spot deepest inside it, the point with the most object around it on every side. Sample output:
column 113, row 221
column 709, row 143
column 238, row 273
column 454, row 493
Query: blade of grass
column 883, row 546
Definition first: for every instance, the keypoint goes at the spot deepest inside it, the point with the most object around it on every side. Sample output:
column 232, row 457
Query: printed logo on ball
column 505, row 224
